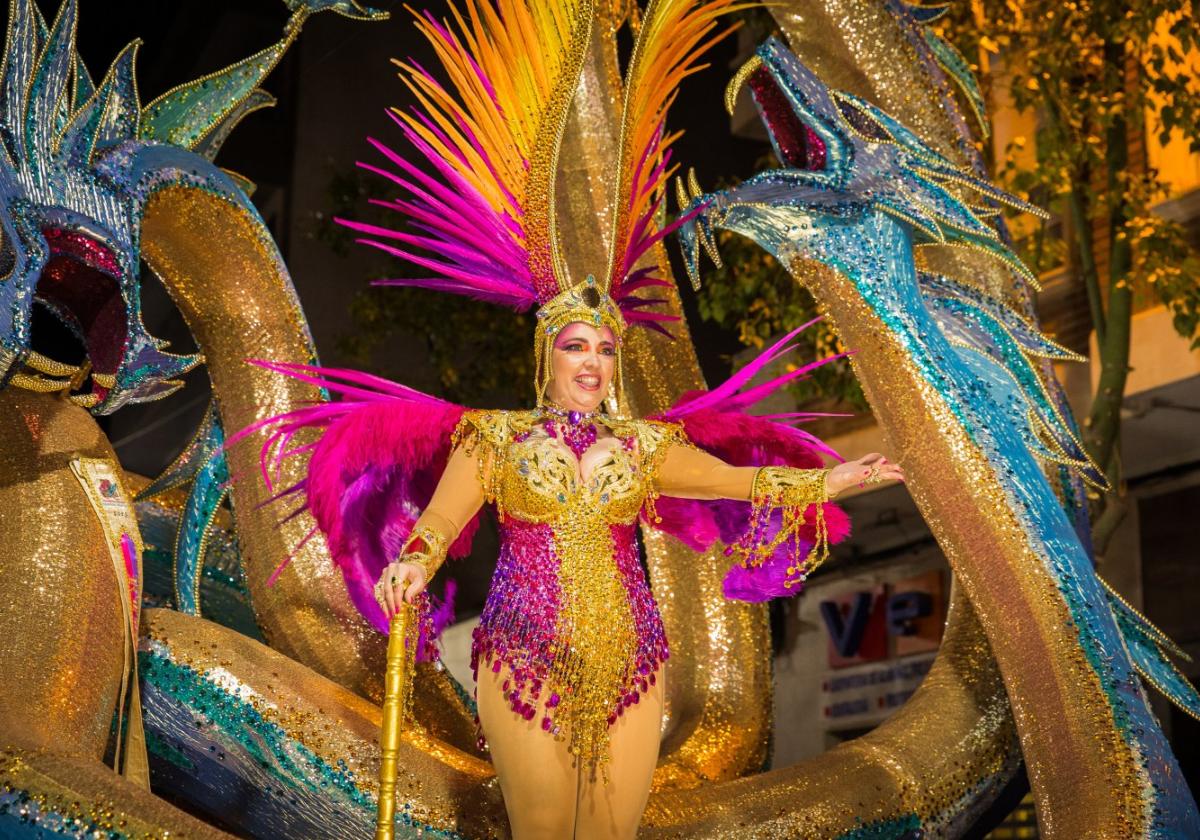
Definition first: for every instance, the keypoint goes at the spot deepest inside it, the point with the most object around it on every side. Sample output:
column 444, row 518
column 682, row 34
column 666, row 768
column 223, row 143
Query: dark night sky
column 332, row 88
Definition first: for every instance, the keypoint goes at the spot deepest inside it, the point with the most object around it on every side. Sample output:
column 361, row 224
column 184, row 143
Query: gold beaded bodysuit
column 570, row 623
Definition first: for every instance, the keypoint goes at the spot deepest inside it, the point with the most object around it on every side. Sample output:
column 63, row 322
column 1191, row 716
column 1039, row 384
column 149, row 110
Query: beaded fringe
column 791, row 491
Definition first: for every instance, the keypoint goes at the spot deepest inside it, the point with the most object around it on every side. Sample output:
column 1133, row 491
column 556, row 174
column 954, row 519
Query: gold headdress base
column 585, row 303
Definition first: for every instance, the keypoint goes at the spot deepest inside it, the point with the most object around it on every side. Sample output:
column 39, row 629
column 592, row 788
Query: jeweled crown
column 585, row 303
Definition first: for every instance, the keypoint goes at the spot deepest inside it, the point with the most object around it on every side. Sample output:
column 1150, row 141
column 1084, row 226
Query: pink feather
column 716, row 422
column 369, row 475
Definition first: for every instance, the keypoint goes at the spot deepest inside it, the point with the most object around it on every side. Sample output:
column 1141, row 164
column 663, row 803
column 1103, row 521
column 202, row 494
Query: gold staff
column 397, row 707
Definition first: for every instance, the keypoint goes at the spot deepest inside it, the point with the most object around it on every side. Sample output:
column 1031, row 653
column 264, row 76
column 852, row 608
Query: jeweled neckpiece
column 577, row 428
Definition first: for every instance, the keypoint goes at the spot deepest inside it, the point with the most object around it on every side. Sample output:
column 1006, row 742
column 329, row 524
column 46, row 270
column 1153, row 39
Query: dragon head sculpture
column 841, row 156
column 950, row 372
column 846, row 162
column 78, row 163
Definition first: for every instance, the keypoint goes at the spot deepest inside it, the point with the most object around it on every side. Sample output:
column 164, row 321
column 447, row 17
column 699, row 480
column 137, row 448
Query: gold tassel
column 791, row 490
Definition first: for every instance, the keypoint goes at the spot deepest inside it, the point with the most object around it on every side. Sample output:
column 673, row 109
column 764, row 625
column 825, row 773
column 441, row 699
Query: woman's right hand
column 399, row 580
column 869, row 469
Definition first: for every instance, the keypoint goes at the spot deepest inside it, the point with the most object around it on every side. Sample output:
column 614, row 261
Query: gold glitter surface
column 952, row 735
column 719, row 689
column 1084, row 777
column 434, row 695
column 61, row 617
column 447, row 788
column 718, row 679
column 238, row 302
column 585, row 183
column 858, row 47
column 100, row 478
column 542, row 235
column 86, row 790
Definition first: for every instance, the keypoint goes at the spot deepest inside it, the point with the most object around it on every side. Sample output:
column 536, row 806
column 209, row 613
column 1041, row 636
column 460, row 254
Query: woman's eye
column 608, row 351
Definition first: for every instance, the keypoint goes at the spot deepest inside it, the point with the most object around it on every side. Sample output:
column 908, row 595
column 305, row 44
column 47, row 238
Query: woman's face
column 582, row 364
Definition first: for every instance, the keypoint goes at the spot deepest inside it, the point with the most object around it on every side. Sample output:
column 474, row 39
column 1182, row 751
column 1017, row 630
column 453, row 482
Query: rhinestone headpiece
column 584, row 303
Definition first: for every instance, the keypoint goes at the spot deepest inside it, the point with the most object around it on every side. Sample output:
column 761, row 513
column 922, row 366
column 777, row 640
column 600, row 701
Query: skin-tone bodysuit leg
column 536, row 775
column 613, row 811
column 546, row 797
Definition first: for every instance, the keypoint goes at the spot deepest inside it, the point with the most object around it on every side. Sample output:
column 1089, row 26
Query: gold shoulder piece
column 519, row 421
column 654, row 439
column 654, row 435
column 485, row 435
column 489, row 428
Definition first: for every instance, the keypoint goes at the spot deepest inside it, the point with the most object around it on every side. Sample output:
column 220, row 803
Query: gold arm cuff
column 791, row 490
column 790, row 486
column 431, row 557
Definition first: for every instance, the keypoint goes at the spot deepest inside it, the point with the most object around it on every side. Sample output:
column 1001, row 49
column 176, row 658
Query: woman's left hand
column 869, row 469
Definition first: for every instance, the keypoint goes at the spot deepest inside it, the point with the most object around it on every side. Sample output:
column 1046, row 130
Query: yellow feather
column 520, row 47
column 674, row 35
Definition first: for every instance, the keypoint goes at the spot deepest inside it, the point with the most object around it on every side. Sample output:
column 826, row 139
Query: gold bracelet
column 431, row 557
column 789, row 490
column 790, row 486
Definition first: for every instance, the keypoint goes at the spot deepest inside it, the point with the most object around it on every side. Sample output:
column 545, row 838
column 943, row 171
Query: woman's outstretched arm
column 786, row 530
column 689, row 473
column 457, row 498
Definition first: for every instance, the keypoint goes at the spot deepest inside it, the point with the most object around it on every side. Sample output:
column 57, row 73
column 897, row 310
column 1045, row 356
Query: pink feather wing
column 370, row 474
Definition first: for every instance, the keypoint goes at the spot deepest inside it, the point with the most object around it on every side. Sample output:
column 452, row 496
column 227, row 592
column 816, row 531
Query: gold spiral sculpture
column 63, row 630
column 955, row 733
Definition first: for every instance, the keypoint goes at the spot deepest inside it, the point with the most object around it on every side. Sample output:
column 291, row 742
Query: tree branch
column 1116, row 507
column 1104, row 425
column 1085, row 243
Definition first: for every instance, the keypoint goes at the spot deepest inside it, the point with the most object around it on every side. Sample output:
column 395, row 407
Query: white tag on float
column 100, row 481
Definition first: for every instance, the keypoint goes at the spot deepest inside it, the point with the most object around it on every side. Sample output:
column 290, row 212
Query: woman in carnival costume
column 570, row 651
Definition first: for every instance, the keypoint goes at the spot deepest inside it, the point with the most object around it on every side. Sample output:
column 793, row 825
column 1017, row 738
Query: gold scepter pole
column 402, row 646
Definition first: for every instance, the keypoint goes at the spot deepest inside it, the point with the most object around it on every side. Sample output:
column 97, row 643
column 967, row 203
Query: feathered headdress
column 482, row 222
